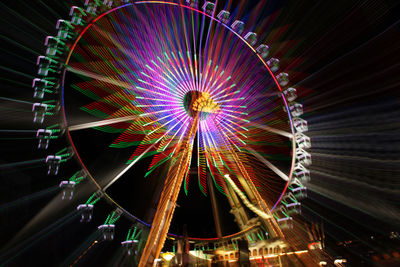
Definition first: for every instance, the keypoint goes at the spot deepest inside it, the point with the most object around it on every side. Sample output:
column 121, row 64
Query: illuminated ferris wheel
column 183, row 87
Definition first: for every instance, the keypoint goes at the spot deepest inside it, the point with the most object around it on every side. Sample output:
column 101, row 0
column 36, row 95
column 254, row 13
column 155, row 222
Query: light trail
column 101, row 123
column 168, row 116
column 15, row 164
column 271, row 129
column 16, row 100
column 127, row 167
column 134, row 161
column 221, row 132
column 83, row 253
column 268, row 164
column 158, row 112
column 245, row 200
column 230, row 126
column 176, row 132
column 98, row 77
column 18, row 131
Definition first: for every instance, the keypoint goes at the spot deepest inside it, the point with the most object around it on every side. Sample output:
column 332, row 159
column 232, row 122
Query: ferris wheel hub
column 200, row 104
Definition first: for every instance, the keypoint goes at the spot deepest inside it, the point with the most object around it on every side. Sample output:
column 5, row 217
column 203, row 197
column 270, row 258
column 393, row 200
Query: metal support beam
column 169, row 195
column 214, row 205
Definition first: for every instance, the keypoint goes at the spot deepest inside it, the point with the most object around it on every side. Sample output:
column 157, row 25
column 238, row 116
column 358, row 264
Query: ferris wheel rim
column 72, row 143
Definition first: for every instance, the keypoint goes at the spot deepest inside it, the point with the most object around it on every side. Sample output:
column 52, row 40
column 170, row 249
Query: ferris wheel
column 173, row 87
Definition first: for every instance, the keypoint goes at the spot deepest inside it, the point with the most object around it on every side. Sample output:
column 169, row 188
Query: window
column 254, row 252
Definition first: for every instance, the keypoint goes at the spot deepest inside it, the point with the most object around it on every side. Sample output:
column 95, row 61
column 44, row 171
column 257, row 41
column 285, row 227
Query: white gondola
column 76, row 14
column 299, row 192
column 45, row 65
column 263, row 50
column 39, row 111
column 286, row 222
column 302, row 141
column 193, row 3
column 67, row 188
column 223, row 16
column 208, row 7
column 301, row 173
column 296, row 109
column 129, row 245
column 290, row 94
column 39, row 86
column 273, row 64
column 251, row 37
column 303, row 157
column 107, row 231
column 238, row 26
column 53, row 162
column 52, row 45
column 293, row 208
column 44, row 138
column 64, row 29
column 300, row 125
column 282, row 78
column 86, row 211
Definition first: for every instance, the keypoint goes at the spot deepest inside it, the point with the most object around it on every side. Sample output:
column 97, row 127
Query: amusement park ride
column 176, row 99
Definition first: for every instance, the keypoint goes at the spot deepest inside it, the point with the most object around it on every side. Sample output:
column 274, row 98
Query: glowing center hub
column 199, row 104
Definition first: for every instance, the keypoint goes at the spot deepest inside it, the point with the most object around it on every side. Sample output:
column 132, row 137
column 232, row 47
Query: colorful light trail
column 149, row 70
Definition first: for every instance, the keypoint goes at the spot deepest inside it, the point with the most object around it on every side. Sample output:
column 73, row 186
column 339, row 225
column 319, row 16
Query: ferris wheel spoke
column 252, row 207
column 236, row 137
column 120, row 174
column 267, row 163
column 99, row 77
column 186, row 86
column 119, row 83
column 101, row 123
column 272, row 130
